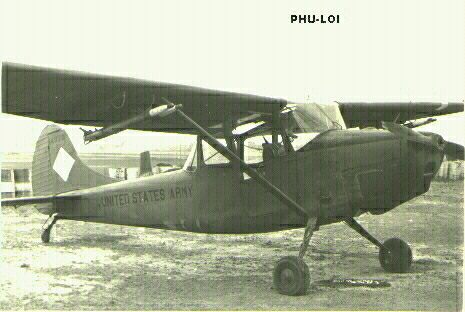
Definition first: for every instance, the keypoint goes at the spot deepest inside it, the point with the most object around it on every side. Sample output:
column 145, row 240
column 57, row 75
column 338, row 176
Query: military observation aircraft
column 311, row 171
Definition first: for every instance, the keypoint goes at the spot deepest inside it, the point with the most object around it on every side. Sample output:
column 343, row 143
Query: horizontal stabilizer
column 21, row 201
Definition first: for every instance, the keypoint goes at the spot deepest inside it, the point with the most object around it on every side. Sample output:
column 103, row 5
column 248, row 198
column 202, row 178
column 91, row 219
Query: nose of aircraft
column 433, row 155
column 428, row 150
column 453, row 151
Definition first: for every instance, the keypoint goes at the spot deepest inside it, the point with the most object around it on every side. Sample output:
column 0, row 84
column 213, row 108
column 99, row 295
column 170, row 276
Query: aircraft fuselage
column 337, row 175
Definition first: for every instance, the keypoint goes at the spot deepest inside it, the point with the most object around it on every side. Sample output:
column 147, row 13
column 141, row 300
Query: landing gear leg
column 46, row 232
column 395, row 255
column 311, row 224
column 291, row 275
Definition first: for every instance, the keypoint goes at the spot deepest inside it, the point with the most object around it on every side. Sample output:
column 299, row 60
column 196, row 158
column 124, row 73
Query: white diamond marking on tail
column 63, row 164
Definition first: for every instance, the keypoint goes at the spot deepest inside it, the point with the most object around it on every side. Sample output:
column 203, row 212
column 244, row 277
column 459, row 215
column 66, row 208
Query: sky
column 380, row 51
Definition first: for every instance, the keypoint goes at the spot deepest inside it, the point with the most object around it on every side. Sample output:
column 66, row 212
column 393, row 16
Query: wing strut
column 244, row 167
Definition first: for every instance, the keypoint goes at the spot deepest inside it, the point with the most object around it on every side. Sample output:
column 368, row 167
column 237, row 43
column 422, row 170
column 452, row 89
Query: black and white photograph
column 232, row 155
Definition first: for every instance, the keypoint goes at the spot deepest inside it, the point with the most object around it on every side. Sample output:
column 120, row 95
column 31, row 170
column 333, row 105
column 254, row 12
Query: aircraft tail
column 57, row 168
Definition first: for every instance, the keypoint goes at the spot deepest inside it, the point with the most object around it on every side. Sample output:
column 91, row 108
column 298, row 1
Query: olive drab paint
column 146, row 196
column 215, row 199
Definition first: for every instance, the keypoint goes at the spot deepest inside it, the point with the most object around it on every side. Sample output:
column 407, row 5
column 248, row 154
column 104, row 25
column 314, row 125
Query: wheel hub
column 287, row 277
column 387, row 258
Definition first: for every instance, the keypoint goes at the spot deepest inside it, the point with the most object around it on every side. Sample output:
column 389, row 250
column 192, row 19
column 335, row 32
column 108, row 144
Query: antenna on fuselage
column 145, row 168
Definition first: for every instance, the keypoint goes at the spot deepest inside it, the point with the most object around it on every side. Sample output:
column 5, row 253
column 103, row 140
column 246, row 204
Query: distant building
column 16, row 168
column 16, row 183
column 451, row 170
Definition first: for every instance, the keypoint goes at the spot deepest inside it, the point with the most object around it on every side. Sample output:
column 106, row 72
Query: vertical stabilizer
column 57, row 168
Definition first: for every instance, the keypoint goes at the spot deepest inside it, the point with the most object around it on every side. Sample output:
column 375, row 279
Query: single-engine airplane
column 311, row 171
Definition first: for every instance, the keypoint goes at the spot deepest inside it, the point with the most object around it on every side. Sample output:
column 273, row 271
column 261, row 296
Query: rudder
column 57, row 168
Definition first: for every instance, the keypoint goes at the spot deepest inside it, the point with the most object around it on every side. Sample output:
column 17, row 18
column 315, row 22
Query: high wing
column 372, row 114
column 78, row 98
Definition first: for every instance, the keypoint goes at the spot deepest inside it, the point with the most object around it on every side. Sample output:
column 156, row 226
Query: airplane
column 258, row 165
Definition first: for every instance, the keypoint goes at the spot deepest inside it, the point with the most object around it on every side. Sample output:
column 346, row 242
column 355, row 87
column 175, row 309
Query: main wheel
column 291, row 276
column 45, row 236
column 399, row 257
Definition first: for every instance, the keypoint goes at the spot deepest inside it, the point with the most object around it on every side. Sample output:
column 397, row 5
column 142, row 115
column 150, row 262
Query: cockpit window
column 253, row 149
column 191, row 162
column 300, row 122
column 312, row 117
column 306, row 121
column 211, row 156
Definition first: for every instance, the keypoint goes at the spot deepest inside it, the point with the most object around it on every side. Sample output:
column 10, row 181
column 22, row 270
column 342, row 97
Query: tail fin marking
column 57, row 168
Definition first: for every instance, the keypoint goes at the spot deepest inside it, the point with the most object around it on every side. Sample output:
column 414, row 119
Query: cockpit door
column 217, row 184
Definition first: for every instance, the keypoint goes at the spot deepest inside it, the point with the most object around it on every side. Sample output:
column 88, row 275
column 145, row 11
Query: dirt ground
column 106, row 267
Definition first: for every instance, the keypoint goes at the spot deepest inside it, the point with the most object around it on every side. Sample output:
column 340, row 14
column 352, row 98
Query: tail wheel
column 291, row 276
column 396, row 257
column 45, row 236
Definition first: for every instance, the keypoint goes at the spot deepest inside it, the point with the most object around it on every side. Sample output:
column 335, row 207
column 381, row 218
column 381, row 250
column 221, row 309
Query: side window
column 191, row 162
column 211, row 156
column 21, row 175
column 253, row 150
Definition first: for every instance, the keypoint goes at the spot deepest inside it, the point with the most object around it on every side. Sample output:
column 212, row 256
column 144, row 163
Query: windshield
column 312, row 117
column 306, row 120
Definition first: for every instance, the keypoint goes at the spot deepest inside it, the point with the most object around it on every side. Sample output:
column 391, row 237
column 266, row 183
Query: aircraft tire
column 291, row 276
column 399, row 259
column 45, row 236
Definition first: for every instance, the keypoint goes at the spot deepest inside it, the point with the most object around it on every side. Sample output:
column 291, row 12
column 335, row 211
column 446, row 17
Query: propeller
column 453, row 151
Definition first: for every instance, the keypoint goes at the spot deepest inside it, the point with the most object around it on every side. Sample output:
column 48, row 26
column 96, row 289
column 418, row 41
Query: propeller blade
column 453, row 151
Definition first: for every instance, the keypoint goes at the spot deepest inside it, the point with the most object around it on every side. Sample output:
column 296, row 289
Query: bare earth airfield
column 92, row 266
